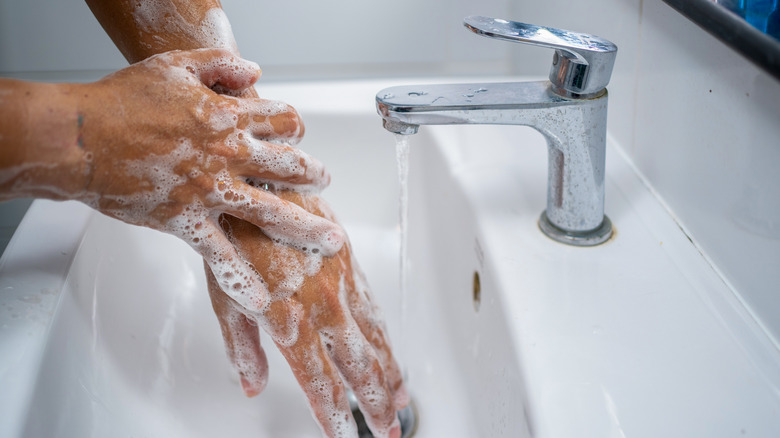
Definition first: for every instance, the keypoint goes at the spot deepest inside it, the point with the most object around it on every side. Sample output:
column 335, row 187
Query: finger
column 250, row 93
column 220, row 67
column 232, row 273
column 272, row 120
column 362, row 371
column 247, row 93
column 321, row 383
column 282, row 221
column 280, row 163
column 242, row 340
column 367, row 316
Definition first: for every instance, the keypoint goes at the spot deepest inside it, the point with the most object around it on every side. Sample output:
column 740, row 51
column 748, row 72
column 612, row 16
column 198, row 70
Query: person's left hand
column 322, row 320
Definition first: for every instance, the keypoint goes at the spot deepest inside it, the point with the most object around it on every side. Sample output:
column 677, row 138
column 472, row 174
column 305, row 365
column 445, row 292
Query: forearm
column 40, row 151
column 142, row 28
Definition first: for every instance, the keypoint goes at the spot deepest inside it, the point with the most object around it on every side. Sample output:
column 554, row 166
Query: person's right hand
column 323, row 321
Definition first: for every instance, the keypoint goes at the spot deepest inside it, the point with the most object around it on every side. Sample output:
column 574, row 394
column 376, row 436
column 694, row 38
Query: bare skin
column 323, row 321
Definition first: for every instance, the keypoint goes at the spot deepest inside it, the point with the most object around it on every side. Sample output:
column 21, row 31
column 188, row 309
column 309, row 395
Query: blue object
column 757, row 12
column 764, row 15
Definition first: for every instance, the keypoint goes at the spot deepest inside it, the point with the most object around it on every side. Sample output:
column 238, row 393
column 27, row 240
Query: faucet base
column 587, row 238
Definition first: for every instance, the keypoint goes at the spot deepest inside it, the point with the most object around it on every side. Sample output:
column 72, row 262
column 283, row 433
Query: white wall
column 707, row 137
column 62, row 35
column 700, row 123
column 338, row 38
column 357, row 38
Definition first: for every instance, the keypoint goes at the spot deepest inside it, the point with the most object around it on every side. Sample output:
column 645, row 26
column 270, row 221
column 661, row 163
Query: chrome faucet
column 570, row 110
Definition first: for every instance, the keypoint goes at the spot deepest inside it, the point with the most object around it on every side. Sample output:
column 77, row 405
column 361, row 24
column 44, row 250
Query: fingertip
column 395, row 432
column 250, row 69
column 335, row 238
column 246, row 385
column 253, row 70
column 251, row 389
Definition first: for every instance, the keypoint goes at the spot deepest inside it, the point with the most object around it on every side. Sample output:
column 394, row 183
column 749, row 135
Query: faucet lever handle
column 582, row 64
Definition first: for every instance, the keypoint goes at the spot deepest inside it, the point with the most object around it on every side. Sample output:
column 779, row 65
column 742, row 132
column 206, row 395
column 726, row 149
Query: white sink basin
column 106, row 329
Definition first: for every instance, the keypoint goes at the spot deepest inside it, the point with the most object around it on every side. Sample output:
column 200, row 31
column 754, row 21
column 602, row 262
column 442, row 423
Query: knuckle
column 287, row 125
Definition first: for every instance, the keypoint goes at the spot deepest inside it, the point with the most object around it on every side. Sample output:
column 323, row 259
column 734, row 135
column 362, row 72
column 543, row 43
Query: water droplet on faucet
column 388, row 96
column 474, row 91
column 417, row 93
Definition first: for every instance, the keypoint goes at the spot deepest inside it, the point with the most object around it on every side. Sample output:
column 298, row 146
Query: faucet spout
column 398, row 127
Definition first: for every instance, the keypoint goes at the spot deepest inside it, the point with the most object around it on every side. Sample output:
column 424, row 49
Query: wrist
column 40, row 151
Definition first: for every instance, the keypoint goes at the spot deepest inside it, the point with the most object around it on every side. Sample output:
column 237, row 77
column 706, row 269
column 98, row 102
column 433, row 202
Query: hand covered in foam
column 323, row 321
column 155, row 145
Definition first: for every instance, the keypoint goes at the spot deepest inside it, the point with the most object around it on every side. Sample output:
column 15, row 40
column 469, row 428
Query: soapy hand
column 155, row 145
column 322, row 319
column 170, row 153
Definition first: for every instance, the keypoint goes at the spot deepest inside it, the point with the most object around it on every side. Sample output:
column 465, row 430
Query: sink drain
column 407, row 416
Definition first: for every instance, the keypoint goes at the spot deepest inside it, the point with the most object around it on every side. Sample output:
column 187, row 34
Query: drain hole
column 407, row 416
column 477, row 292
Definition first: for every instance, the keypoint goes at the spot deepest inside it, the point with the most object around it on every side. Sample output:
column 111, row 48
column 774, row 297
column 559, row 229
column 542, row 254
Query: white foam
column 235, row 276
column 285, row 334
column 157, row 175
column 286, row 223
column 221, row 120
column 369, row 309
column 287, row 266
column 159, row 17
column 279, row 162
column 195, row 224
column 216, row 28
column 339, row 417
column 262, row 111
column 357, row 357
